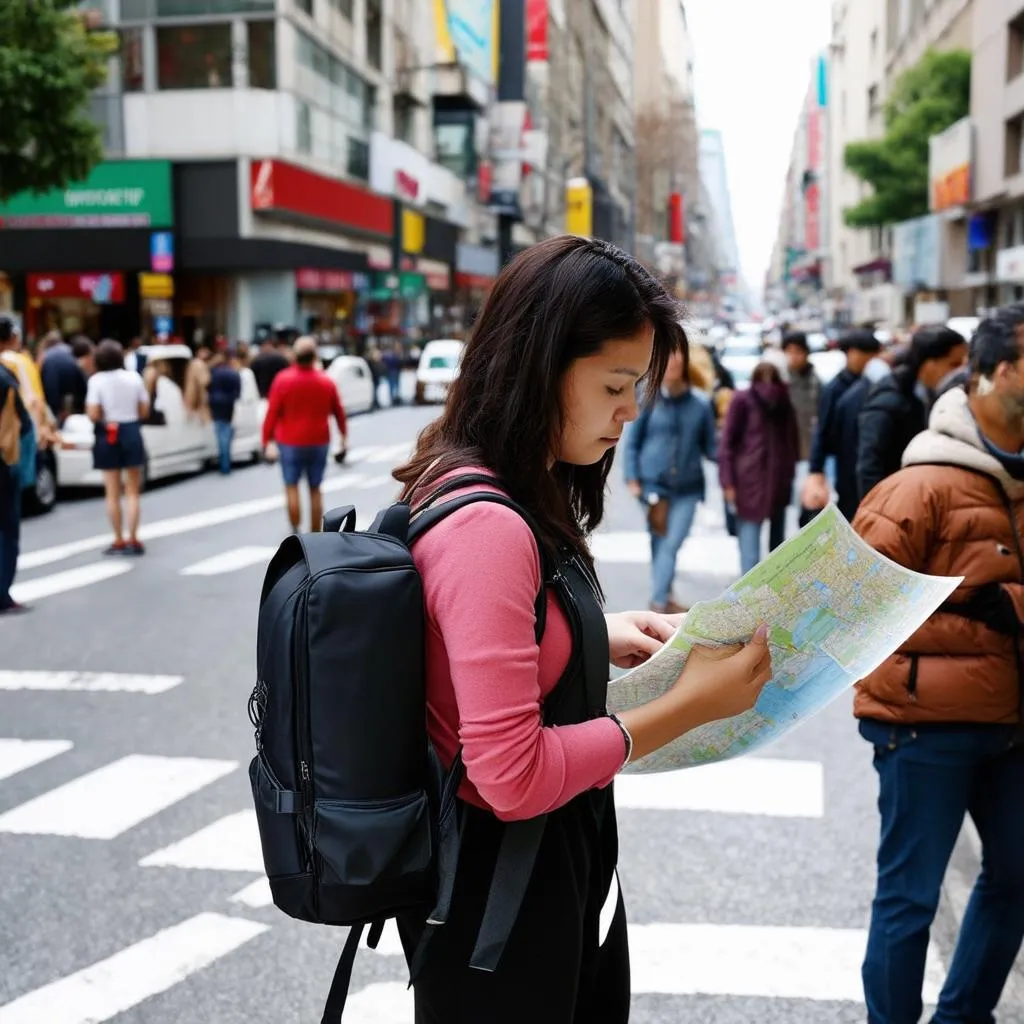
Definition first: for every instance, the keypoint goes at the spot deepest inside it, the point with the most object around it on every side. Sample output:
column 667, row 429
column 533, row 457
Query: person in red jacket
column 302, row 401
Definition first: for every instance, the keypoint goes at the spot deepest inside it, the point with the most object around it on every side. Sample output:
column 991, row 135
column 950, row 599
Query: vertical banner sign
column 812, row 195
column 466, row 28
column 579, row 207
column 537, row 30
column 161, row 252
column 676, row 227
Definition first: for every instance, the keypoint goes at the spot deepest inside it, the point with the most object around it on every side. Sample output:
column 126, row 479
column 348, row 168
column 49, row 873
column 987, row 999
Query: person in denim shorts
column 302, row 401
column 117, row 402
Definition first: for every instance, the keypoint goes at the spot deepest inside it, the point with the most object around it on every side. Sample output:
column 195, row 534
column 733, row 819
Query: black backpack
column 357, row 818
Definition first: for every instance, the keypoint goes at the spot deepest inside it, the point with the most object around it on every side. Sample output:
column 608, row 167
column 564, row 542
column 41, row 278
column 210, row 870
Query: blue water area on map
column 813, row 626
column 851, row 556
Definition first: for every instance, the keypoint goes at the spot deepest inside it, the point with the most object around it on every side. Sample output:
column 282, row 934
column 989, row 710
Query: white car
column 438, row 367
column 828, row 364
column 354, row 381
column 964, row 326
column 739, row 355
column 181, row 443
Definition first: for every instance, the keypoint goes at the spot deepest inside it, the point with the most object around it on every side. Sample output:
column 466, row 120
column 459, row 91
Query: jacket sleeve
column 709, row 439
column 874, row 433
column 634, row 440
column 732, row 437
column 898, row 520
column 273, row 411
column 821, row 443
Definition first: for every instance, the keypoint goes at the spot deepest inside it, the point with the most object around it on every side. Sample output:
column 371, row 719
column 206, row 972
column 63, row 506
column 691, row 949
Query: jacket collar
column 952, row 438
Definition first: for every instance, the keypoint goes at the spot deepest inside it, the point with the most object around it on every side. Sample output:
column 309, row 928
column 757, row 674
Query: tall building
column 312, row 163
column 667, row 172
column 715, row 181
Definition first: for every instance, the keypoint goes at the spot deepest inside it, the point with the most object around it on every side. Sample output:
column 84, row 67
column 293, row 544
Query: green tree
column 50, row 62
column 925, row 100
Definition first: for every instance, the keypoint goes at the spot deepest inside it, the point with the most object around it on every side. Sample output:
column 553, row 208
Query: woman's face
column 599, row 397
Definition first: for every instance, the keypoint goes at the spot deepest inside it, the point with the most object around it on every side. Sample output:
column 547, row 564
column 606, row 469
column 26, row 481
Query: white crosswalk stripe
column 116, row 984
column 17, row 755
column 110, row 800
column 31, row 591
column 88, row 682
column 230, row 844
column 230, row 561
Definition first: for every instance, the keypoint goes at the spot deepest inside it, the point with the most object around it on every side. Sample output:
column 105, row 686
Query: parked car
column 354, row 381
column 438, row 367
column 740, row 354
column 175, row 442
column 964, row 326
column 39, row 495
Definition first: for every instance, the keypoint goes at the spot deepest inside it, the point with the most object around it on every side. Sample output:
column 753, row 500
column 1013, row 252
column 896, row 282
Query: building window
column 145, row 10
column 344, row 8
column 405, row 123
column 1015, row 47
column 358, row 164
column 194, row 57
column 872, row 100
column 374, row 34
column 369, row 107
column 306, row 6
column 262, row 55
column 132, row 60
column 1011, row 146
column 454, row 142
column 303, row 128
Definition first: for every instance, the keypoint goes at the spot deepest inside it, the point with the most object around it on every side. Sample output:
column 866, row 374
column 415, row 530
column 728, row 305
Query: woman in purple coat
column 757, row 457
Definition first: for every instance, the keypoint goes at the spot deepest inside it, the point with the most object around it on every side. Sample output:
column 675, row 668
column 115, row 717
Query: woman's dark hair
column 767, row 372
column 556, row 302
column 109, row 356
column 935, row 341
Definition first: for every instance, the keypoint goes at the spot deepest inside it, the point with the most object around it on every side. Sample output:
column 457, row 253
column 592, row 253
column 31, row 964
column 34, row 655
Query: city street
column 132, row 886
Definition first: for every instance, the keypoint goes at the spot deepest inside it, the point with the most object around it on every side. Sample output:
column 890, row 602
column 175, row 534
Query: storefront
column 90, row 304
column 328, row 302
column 86, row 281
column 476, row 266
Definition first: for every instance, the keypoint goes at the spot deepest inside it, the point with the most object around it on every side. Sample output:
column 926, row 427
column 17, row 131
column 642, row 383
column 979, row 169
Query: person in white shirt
column 117, row 402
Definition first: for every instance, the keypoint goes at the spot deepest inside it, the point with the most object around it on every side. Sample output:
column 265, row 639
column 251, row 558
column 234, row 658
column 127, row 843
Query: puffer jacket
column 953, row 510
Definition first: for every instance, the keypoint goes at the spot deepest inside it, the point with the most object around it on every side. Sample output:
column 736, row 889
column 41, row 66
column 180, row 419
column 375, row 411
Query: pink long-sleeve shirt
column 486, row 676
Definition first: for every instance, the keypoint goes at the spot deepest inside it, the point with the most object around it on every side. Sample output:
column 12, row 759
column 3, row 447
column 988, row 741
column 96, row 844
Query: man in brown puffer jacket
column 944, row 712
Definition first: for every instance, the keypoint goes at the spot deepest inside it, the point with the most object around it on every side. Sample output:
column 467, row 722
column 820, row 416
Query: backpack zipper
column 303, row 740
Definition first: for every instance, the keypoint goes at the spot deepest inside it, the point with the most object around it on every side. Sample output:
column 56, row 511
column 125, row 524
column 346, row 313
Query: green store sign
column 120, row 194
column 388, row 285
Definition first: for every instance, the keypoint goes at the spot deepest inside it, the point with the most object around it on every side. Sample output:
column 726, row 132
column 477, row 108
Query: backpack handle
column 340, row 520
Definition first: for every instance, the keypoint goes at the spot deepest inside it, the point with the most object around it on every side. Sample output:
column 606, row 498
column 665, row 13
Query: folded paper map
column 835, row 608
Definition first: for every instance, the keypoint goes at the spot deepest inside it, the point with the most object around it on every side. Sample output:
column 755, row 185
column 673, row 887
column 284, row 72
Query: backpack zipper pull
column 304, row 769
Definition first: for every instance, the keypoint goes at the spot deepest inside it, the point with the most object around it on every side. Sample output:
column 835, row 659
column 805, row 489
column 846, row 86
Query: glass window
column 305, row 5
column 453, row 140
column 303, row 50
column 322, row 62
column 132, row 60
column 262, row 51
column 303, row 127
column 194, row 57
column 354, row 107
column 184, row 8
column 369, row 107
column 358, row 159
column 373, row 33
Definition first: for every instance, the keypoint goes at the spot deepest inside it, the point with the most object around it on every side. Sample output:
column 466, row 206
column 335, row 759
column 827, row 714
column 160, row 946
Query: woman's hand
column 721, row 682
column 634, row 636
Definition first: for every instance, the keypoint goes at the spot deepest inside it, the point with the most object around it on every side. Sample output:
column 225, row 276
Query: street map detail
column 836, row 609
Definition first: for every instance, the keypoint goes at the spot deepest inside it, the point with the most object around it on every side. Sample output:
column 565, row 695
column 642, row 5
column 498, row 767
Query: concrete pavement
column 132, row 886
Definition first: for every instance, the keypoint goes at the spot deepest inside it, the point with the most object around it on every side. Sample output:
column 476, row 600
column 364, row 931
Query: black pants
column 553, row 970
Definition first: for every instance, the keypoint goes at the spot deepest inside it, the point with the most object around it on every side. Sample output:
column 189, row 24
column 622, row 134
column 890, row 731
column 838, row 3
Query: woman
column 757, row 458
column 117, row 402
column 664, row 467
column 546, row 386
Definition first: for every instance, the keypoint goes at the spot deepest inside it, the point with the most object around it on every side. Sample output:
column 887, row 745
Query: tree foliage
column 50, row 62
column 925, row 100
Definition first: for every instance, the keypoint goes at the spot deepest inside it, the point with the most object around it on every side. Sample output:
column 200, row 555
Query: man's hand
column 816, row 491
column 634, row 636
column 270, row 452
column 730, row 495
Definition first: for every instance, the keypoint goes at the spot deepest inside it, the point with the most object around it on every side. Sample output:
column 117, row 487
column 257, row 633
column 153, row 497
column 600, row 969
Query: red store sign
column 99, row 288
column 277, row 187
column 309, row 279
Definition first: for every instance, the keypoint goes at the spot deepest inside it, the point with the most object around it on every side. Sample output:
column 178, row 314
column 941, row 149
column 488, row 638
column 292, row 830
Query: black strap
column 429, row 518
column 512, row 871
column 340, row 520
column 335, row 1005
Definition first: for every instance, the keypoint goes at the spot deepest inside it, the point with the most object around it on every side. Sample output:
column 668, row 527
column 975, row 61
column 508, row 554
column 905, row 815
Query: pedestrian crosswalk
column 117, row 800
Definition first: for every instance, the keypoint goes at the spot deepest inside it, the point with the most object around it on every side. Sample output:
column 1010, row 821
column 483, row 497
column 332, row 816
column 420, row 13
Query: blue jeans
column 225, row 435
column 664, row 550
column 749, row 535
column 10, row 530
column 928, row 779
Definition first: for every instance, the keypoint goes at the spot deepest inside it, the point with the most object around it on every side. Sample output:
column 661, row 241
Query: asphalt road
column 131, row 876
